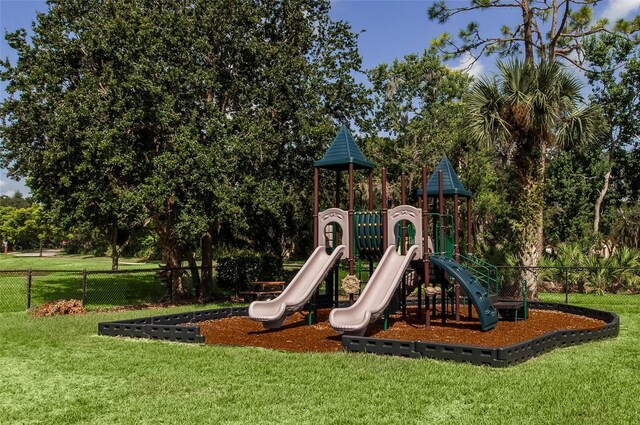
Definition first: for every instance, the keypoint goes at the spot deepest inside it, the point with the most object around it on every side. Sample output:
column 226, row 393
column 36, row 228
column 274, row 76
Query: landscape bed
column 199, row 327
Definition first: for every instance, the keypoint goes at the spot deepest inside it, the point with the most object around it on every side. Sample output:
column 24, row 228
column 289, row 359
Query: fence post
column 29, row 283
column 84, row 287
column 566, row 286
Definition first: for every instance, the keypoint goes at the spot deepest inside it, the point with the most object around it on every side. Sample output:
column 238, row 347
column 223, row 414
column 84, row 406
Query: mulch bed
column 296, row 336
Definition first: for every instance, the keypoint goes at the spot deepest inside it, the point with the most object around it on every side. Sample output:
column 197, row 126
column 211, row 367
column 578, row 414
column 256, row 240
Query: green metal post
column 385, row 326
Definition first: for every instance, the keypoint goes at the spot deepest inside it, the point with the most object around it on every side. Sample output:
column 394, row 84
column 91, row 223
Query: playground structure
column 409, row 261
column 399, row 240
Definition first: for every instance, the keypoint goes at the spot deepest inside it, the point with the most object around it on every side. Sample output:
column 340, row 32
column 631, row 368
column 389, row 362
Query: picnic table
column 264, row 289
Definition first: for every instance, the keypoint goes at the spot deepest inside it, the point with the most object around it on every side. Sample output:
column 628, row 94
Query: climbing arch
column 339, row 217
column 405, row 213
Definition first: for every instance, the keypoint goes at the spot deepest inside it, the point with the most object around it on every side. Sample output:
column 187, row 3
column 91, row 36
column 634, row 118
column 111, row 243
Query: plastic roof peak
column 451, row 184
column 342, row 152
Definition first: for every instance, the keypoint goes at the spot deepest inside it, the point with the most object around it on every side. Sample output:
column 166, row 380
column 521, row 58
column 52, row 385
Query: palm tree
column 523, row 111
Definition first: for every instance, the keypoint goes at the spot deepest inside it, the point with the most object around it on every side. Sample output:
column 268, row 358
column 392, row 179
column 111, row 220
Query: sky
column 388, row 30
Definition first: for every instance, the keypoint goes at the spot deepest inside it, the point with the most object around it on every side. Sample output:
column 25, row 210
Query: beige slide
column 375, row 297
column 273, row 313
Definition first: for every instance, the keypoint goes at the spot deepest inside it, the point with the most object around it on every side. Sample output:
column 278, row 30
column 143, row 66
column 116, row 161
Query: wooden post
column 456, row 255
column 403, row 201
column 403, row 245
column 383, row 212
column 443, row 284
column 456, row 226
column 316, row 202
column 425, row 243
column 336, row 268
column 469, row 227
column 350, row 224
column 441, row 206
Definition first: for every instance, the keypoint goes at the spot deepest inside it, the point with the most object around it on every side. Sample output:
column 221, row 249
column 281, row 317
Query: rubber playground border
column 167, row 328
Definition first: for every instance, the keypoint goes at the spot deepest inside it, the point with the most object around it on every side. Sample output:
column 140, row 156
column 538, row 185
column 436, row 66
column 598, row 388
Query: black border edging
column 496, row 357
column 166, row 328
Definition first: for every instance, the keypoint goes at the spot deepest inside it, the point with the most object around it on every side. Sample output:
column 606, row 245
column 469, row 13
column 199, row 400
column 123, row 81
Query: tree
column 550, row 30
column 524, row 111
column 179, row 112
column 615, row 76
column 28, row 228
column 570, row 188
column 418, row 107
column 16, row 200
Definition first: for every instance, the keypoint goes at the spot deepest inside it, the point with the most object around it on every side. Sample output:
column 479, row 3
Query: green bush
column 235, row 270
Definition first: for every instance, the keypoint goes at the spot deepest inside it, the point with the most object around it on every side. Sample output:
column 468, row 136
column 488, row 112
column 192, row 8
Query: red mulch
column 295, row 335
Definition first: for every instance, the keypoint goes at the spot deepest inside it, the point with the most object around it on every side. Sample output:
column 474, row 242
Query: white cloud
column 466, row 63
column 9, row 187
column 617, row 9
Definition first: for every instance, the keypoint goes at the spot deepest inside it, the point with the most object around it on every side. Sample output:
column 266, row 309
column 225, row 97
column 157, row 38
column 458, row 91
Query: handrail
column 486, row 277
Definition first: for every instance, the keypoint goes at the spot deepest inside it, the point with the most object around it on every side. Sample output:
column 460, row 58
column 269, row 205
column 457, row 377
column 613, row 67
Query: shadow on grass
column 103, row 289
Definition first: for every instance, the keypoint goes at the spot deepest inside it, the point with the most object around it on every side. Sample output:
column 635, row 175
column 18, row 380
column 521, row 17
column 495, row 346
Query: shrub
column 235, row 270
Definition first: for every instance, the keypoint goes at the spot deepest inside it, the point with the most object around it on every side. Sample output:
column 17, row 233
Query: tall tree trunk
column 528, row 224
column 207, row 264
column 601, row 194
column 527, row 23
column 40, row 242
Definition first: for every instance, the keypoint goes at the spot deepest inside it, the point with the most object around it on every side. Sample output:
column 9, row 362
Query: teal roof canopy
column 342, row 152
column 451, row 184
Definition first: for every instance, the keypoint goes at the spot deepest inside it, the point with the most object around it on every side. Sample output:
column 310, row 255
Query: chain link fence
column 583, row 285
column 23, row 289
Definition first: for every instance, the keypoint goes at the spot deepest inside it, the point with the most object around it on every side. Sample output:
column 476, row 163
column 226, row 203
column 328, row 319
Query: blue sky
column 390, row 30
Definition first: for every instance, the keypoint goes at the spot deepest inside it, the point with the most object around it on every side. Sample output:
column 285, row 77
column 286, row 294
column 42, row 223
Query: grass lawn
column 57, row 370
column 69, row 262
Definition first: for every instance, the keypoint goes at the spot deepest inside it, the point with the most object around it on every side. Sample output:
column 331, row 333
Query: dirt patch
column 60, row 308
column 295, row 335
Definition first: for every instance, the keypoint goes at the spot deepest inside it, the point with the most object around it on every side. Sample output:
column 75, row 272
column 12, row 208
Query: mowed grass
column 57, row 370
column 69, row 262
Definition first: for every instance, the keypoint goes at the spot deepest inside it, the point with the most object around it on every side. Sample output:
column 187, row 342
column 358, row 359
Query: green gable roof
column 342, row 152
column 450, row 182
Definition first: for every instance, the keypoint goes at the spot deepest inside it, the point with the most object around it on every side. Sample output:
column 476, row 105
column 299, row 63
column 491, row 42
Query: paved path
column 45, row 253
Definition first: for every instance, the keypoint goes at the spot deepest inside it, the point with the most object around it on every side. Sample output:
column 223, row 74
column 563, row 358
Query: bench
column 264, row 289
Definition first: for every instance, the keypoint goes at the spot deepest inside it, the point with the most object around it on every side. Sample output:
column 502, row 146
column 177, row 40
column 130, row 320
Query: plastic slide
column 476, row 292
column 272, row 313
column 376, row 296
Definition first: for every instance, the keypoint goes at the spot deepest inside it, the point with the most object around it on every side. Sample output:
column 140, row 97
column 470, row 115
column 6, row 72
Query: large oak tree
column 200, row 116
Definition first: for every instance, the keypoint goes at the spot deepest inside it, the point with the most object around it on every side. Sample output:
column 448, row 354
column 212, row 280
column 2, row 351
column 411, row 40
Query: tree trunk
column 207, row 264
column 114, row 260
column 40, row 242
column 598, row 206
column 528, row 224
column 527, row 22
column 115, row 255
column 170, row 249
column 171, row 258
column 195, row 274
